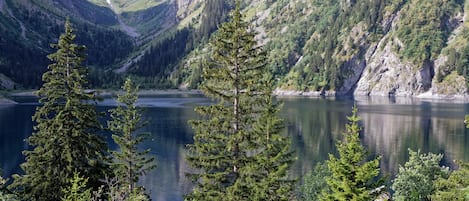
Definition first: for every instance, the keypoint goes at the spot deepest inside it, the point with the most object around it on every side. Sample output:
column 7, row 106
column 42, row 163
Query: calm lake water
column 390, row 128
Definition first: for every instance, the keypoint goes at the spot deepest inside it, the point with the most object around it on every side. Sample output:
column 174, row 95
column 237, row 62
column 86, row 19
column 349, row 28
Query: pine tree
column 265, row 174
column 5, row 194
column 65, row 138
column 352, row 176
column 77, row 189
column 238, row 151
column 129, row 163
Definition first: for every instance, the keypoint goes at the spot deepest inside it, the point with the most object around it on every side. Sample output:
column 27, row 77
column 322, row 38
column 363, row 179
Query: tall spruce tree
column 65, row 139
column 238, row 151
column 352, row 176
column 129, row 163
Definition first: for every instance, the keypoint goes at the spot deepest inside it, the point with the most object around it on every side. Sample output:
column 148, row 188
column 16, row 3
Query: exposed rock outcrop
column 386, row 74
column 185, row 7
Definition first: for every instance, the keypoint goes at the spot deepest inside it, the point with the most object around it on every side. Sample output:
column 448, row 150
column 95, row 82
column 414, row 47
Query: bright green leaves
column 415, row 179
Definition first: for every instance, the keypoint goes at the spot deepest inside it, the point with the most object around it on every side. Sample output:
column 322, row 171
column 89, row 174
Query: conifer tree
column 5, row 194
column 77, row 189
column 352, row 176
column 238, row 151
column 65, row 138
column 129, row 163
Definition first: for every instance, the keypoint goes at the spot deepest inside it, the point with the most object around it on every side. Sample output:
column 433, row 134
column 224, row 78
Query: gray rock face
column 386, row 74
column 184, row 7
column 356, row 65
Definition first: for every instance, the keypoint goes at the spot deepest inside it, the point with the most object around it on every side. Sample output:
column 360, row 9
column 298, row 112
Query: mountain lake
column 391, row 126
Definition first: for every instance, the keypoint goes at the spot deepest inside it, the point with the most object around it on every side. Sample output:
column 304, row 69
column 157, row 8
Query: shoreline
column 100, row 92
column 427, row 96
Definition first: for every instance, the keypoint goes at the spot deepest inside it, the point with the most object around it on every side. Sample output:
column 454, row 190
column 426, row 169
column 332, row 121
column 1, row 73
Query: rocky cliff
column 386, row 73
column 400, row 48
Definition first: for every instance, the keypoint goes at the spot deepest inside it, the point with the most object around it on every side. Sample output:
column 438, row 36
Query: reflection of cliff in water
column 15, row 128
column 314, row 125
column 391, row 129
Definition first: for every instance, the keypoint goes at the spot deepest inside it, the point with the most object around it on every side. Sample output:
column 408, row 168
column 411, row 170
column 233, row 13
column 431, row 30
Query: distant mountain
column 380, row 47
column 112, row 30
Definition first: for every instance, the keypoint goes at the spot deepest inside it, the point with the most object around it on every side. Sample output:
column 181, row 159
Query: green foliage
column 25, row 57
column 5, row 194
column 129, row 163
column 159, row 59
column 415, row 180
column 455, row 187
column 112, row 190
column 423, row 29
column 238, row 151
column 320, row 33
column 352, row 176
column 265, row 177
column 214, row 13
column 315, row 183
column 65, row 138
column 456, row 62
column 77, row 189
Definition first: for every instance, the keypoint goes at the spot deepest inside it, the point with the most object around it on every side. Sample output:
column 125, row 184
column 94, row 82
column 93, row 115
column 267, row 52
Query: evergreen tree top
column 352, row 176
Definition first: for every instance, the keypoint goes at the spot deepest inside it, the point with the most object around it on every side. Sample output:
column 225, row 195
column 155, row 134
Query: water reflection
column 391, row 126
column 14, row 128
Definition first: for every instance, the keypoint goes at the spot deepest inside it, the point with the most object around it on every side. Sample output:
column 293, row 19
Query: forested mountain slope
column 113, row 31
column 380, row 47
column 27, row 27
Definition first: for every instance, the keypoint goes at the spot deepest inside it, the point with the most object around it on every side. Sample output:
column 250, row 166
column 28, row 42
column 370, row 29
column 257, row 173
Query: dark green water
column 390, row 127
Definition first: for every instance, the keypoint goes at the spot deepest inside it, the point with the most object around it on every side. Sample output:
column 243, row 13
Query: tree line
column 239, row 152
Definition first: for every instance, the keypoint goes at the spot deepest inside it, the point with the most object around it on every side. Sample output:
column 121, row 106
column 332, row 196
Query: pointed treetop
column 352, row 126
